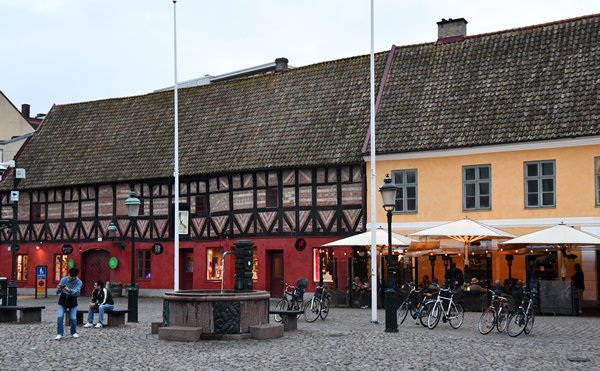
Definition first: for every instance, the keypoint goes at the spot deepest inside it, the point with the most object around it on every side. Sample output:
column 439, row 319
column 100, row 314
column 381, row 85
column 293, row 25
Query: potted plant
column 116, row 289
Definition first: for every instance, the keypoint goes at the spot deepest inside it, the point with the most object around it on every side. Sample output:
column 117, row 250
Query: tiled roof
column 314, row 115
column 530, row 84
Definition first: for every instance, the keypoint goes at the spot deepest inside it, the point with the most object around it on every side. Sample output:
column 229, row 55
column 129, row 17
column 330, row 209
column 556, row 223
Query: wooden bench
column 289, row 318
column 27, row 314
column 114, row 317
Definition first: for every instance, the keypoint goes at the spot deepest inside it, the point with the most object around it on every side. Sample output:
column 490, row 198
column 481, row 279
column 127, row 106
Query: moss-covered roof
column 529, row 84
column 309, row 116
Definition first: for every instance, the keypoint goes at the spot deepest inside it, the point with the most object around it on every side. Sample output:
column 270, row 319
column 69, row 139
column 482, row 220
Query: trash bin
column 3, row 291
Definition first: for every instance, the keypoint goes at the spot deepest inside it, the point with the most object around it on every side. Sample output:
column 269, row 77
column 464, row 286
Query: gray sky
column 65, row 51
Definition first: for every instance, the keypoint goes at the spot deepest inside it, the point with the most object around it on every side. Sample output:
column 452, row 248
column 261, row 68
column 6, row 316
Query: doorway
column 276, row 273
column 95, row 267
column 186, row 267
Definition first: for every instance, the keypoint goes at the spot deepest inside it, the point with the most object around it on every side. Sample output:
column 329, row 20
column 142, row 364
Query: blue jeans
column 100, row 309
column 60, row 320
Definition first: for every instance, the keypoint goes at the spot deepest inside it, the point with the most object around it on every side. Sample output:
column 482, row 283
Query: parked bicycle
column 318, row 305
column 418, row 308
column 293, row 297
column 496, row 315
column 446, row 309
column 522, row 320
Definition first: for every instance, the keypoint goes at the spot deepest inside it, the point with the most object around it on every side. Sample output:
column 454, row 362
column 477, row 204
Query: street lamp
column 18, row 175
column 133, row 209
column 388, row 194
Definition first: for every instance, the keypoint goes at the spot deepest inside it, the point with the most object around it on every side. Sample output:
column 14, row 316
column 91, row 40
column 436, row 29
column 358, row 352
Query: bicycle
column 292, row 297
column 523, row 319
column 418, row 309
column 318, row 305
column 496, row 315
column 453, row 313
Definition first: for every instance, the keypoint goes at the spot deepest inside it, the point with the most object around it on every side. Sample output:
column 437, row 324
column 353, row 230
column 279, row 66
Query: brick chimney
column 25, row 110
column 281, row 64
column 451, row 30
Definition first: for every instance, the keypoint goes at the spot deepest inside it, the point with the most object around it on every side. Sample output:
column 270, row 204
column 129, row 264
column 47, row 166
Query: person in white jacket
column 102, row 301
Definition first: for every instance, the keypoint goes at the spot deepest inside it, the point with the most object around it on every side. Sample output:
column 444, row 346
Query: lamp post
column 133, row 208
column 509, row 261
column 18, row 174
column 388, row 194
column 432, row 261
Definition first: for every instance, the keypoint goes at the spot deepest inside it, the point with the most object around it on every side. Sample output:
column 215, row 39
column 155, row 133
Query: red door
column 276, row 273
column 95, row 267
column 186, row 267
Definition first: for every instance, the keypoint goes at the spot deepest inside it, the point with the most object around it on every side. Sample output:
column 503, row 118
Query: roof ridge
column 539, row 25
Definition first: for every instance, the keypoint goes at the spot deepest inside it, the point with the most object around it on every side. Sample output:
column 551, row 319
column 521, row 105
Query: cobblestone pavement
column 347, row 340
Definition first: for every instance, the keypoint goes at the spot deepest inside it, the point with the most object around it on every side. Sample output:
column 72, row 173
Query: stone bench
column 115, row 318
column 27, row 314
column 289, row 318
column 266, row 331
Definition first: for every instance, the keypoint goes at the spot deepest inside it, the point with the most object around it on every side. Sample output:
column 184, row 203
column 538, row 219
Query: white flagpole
column 176, row 156
column 373, row 178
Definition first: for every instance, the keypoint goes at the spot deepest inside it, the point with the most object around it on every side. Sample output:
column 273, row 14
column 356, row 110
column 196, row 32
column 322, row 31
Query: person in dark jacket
column 68, row 288
column 578, row 285
column 101, row 301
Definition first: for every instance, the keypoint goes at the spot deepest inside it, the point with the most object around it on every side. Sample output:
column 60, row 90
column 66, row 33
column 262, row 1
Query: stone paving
column 347, row 340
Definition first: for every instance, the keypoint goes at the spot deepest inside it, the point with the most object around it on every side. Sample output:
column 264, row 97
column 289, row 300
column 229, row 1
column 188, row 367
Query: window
column 201, row 205
column 22, row 264
column 323, row 261
column 144, row 259
column 254, row 264
column 214, row 257
column 36, row 212
column 540, row 183
column 272, row 197
column 61, row 269
column 597, row 176
column 476, row 187
column 406, row 195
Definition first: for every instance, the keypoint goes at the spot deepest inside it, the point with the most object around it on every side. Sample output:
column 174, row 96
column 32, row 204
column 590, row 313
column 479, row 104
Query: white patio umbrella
column 464, row 230
column 561, row 236
column 364, row 239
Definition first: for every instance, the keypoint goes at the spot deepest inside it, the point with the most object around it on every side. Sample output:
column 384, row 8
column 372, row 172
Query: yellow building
column 502, row 128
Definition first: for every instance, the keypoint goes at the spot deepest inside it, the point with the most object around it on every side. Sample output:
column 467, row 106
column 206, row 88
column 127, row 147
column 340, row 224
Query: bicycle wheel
column 516, row 323
column 434, row 315
column 529, row 324
column 456, row 315
column 281, row 305
column 487, row 321
column 502, row 320
column 424, row 312
column 325, row 308
column 312, row 308
column 402, row 312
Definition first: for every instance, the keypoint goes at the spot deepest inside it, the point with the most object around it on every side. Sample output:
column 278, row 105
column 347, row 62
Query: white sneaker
column 58, row 337
column 98, row 325
column 88, row 325
column 75, row 335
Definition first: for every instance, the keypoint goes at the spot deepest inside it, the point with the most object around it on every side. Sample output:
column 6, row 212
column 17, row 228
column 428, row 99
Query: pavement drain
column 336, row 335
column 578, row 359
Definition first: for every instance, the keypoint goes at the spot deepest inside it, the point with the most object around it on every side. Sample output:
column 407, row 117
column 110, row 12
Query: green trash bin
column 3, row 291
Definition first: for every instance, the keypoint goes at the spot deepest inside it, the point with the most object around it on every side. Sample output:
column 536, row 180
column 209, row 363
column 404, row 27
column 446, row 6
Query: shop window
column 254, row 264
column 542, row 266
column 144, row 260
column 22, row 265
column 214, row 258
column 61, row 269
column 323, row 256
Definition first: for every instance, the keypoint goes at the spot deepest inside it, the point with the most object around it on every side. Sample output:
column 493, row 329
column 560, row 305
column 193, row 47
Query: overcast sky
column 65, row 51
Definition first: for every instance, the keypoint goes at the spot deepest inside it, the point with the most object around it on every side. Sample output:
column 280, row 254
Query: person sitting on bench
column 101, row 301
